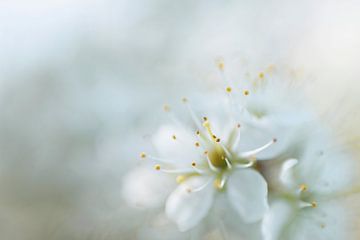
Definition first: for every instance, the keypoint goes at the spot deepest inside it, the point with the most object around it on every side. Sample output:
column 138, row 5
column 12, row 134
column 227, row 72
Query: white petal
column 275, row 220
column 145, row 187
column 181, row 151
column 287, row 173
column 186, row 208
column 247, row 192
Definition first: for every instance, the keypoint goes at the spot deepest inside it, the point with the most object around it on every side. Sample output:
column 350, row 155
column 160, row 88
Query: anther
column 228, row 89
column 314, row 204
column 238, row 125
column 217, row 140
column 246, row 92
column 197, row 144
column 303, row 187
column 197, row 132
column 261, row 75
column 174, row 137
column 193, row 164
column 157, row 167
column 166, row 108
column 143, row 155
column 205, row 119
column 184, row 100
column 220, row 64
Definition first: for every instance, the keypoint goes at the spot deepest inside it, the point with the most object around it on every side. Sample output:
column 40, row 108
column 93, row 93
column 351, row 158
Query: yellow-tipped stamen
column 228, row 89
column 197, row 132
column 173, row 137
column 314, row 204
column 157, row 167
column 238, row 137
column 261, row 75
column 143, row 155
column 220, row 64
column 191, row 112
column 193, row 164
column 260, row 149
column 166, row 108
column 303, row 187
column 197, row 144
column 246, row 92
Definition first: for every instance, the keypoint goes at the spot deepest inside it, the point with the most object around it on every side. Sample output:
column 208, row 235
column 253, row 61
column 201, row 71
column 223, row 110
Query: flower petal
column 276, row 219
column 287, row 173
column 144, row 187
column 186, row 208
column 247, row 192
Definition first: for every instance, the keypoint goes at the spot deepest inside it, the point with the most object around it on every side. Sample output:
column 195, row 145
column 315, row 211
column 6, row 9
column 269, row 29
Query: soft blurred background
column 83, row 81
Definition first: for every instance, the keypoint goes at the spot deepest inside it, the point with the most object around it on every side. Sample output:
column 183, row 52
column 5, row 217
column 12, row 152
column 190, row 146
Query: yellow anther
column 218, row 140
column 197, row 132
column 166, row 108
column 205, row 119
column 261, row 75
column 180, row 179
column 193, row 164
column 220, row 64
column 217, row 184
column 143, row 155
column 173, row 137
column 246, row 92
column 157, row 167
column 303, row 187
column 314, row 204
column 197, row 144
column 229, row 89
column 184, row 100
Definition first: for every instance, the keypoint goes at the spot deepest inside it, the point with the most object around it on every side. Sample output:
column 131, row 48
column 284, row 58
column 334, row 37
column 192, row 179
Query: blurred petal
column 247, row 192
column 275, row 220
column 287, row 173
column 186, row 208
column 144, row 187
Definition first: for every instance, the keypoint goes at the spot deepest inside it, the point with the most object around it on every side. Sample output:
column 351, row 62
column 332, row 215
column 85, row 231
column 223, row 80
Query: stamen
column 143, row 155
column 173, row 137
column 191, row 112
column 257, row 150
column 219, row 183
column 228, row 163
column 194, row 166
column 303, row 187
column 261, row 75
column 246, row 92
column 166, row 108
column 190, row 190
column 228, row 89
column 238, row 136
column 314, row 204
column 220, row 64
column 158, row 167
column 212, row 167
column 206, row 125
column 197, row 144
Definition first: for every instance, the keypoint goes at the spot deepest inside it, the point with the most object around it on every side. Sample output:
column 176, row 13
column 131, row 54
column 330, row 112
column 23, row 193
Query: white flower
column 222, row 152
column 309, row 205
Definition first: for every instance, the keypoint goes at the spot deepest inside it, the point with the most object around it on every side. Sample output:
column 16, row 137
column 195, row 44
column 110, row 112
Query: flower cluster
column 260, row 146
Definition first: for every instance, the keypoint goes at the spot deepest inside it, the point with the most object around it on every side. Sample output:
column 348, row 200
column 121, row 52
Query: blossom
column 309, row 204
column 222, row 151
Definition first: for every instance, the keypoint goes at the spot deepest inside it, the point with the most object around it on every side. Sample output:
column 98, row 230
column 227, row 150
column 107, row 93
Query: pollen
column 314, row 204
column 157, row 167
column 193, row 164
column 143, row 155
column 180, row 179
column 197, row 144
column 303, row 187
column 246, row 92
column 228, row 89
column 173, row 137
column 197, row 132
